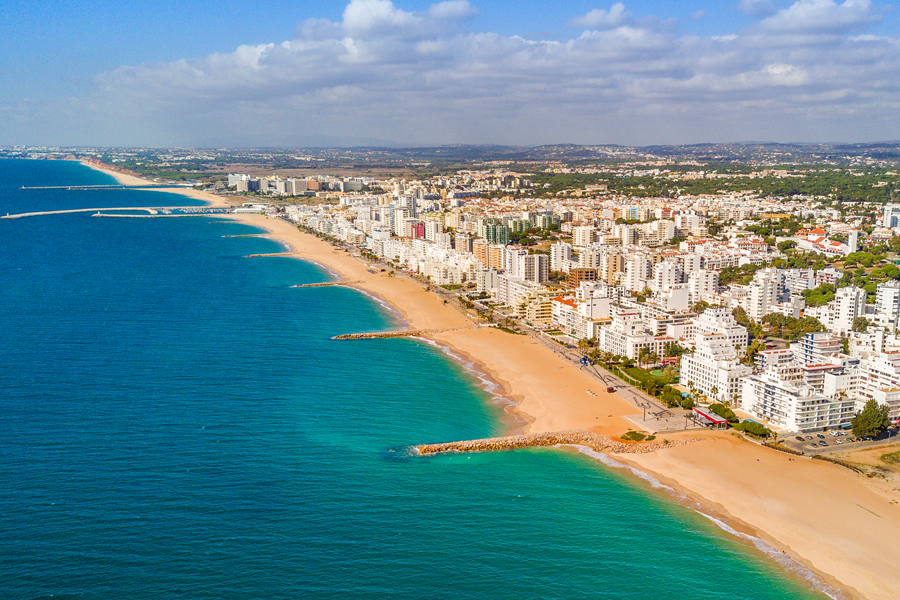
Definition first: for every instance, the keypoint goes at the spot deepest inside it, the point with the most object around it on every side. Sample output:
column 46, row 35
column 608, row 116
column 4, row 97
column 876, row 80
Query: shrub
column 751, row 427
column 724, row 412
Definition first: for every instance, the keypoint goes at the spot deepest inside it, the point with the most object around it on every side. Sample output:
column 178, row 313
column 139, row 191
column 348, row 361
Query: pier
column 150, row 209
column 272, row 254
column 108, row 186
column 393, row 334
column 325, row 284
column 589, row 439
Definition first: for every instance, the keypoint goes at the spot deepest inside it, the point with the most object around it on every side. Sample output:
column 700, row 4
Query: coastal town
column 776, row 314
column 737, row 348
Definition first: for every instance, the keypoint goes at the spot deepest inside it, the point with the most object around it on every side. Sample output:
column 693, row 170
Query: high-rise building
column 887, row 305
column 496, row 234
column 849, row 303
column 891, row 217
column 576, row 276
column 560, row 255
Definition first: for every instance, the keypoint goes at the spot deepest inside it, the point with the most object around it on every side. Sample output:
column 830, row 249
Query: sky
column 413, row 72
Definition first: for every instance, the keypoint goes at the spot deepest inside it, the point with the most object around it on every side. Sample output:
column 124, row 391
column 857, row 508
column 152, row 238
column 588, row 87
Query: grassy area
column 644, row 375
column 508, row 330
column 892, row 458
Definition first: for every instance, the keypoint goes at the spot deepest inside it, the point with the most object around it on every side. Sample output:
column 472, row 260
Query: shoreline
column 835, row 523
column 704, row 473
column 133, row 181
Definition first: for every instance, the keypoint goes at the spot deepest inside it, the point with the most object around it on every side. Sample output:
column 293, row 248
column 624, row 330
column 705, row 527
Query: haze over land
column 373, row 72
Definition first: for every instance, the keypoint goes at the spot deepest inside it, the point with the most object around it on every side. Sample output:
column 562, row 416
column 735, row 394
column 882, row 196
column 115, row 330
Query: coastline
column 839, row 525
column 836, row 523
column 132, row 181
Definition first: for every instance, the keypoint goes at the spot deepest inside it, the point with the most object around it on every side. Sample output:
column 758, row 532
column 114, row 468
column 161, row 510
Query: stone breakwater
column 393, row 334
column 326, row 284
column 595, row 441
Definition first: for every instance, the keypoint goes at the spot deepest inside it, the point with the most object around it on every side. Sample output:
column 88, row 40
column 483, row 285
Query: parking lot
column 825, row 442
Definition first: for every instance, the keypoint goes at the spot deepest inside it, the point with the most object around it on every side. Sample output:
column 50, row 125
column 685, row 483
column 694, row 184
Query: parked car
column 820, row 436
column 799, row 438
column 809, row 437
column 610, row 389
column 814, row 445
column 823, row 443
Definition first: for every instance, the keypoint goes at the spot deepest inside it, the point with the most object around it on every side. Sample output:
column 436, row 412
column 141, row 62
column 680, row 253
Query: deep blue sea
column 176, row 422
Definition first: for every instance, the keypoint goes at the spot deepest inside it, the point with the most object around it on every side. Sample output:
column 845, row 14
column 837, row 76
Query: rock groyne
column 590, row 439
column 325, row 284
column 393, row 334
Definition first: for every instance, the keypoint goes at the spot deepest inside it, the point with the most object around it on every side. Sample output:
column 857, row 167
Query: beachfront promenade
column 589, row 439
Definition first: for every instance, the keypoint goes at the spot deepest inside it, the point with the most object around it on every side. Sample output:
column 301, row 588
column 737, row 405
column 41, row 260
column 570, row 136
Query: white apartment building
column 511, row 290
column 780, row 395
column 638, row 270
column 848, row 304
column 702, row 284
column 582, row 236
column 666, row 275
column 879, row 380
column 714, row 368
column 560, row 256
column 816, row 348
column 764, row 292
column 486, row 280
column 718, row 319
column 628, row 333
column 887, row 305
column 579, row 319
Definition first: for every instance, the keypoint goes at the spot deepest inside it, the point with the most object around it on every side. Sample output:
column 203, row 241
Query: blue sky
column 418, row 72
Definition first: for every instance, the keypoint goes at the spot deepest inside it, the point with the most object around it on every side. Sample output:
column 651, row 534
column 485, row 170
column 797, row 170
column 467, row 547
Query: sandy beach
column 841, row 525
column 129, row 180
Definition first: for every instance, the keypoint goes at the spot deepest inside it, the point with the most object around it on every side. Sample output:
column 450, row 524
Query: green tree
column 670, row 374
column 672, row 350
column 872, row 421
column 643, row 356
column 786, row 245
column 699, row 307
column 860, row 324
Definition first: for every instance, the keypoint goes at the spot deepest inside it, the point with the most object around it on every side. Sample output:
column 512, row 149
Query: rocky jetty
column 595, row 441
column 326, row 284
column 392, row 334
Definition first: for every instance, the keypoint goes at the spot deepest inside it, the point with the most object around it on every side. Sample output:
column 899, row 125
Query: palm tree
column 583, row 345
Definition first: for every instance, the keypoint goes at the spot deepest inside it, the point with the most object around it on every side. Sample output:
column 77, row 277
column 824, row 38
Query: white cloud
column 699, row 14
column 422, row 78
column 824, row 16
column 599, row 18
column 452, row 9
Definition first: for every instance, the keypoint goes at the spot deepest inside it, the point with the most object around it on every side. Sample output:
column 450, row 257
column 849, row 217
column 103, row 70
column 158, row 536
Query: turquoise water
column 177, row 423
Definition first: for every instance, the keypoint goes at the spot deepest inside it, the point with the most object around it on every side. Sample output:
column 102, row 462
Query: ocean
column 178, row 423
